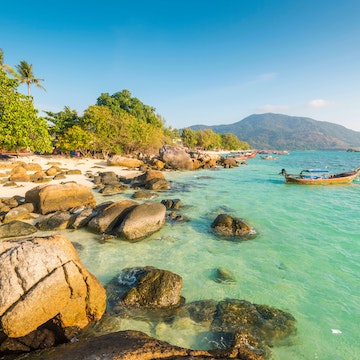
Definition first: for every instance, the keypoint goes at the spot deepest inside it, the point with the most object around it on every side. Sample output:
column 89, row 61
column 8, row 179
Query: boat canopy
column 315, row 171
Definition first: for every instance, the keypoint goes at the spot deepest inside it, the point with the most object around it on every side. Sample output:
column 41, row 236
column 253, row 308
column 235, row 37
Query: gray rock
column 111, row 216
column 16, row 228
column 141, row 221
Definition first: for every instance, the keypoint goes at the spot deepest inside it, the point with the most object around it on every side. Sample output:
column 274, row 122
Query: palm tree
column 5, row 67
column 25, row 75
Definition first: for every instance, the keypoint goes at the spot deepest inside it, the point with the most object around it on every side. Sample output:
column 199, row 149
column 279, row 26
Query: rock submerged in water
column 230, row 226
column 146, row 287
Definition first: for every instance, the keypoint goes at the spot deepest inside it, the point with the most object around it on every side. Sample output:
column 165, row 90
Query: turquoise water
column 305, row 259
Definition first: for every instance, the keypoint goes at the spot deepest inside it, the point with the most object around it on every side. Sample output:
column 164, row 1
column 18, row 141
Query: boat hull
column 289, row 179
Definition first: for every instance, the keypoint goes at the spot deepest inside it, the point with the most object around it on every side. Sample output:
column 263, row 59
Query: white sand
column 85, row 165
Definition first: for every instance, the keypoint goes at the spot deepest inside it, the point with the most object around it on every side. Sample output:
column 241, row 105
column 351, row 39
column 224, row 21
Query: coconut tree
column 25, row 75
column 5, row 67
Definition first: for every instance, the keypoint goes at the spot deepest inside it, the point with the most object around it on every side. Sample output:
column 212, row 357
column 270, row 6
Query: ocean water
column 305, row 259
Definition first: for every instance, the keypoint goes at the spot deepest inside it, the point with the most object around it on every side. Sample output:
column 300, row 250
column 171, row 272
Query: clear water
column 305, row 260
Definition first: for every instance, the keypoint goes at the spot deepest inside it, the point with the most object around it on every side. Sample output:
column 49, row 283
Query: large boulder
column 264, row 322
column 151, row 180
column 109, row 217
column 16, row 228
column 42, row 278
column 227, row 225
column 131, row 345
column 18, row 213
column 146, row 287
column 176, row 158
column 123, row 161
column 60, row 197
column 141, row 221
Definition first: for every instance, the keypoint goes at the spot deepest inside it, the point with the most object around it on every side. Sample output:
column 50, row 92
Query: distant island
column 283, row 132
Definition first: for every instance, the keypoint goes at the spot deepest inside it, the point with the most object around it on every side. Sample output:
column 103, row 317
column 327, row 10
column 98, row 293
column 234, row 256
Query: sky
column 196, row 61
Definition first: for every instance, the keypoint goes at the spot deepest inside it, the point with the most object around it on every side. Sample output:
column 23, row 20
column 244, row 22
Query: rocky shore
column 51, row 307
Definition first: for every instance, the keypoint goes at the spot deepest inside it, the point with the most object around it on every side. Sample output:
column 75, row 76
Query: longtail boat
column 320, row 177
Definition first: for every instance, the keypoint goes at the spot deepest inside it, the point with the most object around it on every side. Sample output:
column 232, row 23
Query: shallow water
column 305, row 259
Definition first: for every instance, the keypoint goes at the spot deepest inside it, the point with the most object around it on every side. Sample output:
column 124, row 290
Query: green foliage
column 61, row 121
column 232, row 142
column 207, row 139
column 189, row 138
column 123, row 100
column 76, row 138
column 19, row 125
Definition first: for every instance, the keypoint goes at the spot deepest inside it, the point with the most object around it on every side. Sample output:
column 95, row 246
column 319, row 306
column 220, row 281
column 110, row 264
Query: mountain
column 283, row 132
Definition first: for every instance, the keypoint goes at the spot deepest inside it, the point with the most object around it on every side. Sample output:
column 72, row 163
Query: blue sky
column 196, row 61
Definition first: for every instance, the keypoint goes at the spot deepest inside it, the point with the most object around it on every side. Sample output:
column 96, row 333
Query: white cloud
column 272, row 108
column 316, row 103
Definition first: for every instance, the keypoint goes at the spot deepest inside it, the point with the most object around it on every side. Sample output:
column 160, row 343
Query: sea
column 305, row 259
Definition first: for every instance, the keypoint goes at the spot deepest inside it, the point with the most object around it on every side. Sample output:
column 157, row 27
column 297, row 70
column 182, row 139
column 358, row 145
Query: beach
column 87, row 167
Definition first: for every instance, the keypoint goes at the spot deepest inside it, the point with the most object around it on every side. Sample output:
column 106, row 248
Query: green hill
column 283, row 132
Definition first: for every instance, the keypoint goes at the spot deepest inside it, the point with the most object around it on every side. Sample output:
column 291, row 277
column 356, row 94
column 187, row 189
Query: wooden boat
column 269, row 157
column 320, row 177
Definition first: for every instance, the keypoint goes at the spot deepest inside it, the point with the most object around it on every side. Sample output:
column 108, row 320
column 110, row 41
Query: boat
column 269, row 157
column 320, row 177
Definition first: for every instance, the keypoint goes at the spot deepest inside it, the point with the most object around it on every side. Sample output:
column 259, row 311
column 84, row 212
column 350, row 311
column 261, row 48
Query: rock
column 201, row 311
column 73, row 172
column 173, row 204
column 224, row 276
column 229, row 163
column 16, row 228
column 53, row 170
column 124, row 161
column 141, row 221
column 107, row 178
column 176, row 158
column 151, row 180
column 113, row 188
column 146, row 287
column 264, row 322
column 35, row 167
column 37, row 176
column 111, row 216
column 135, row 345
column 18, row 213
column 83, row 215
column 60, row 197
column 19, row 174
column 54, row 221
column 144, row 195
column 227, row 225
column 42, row 279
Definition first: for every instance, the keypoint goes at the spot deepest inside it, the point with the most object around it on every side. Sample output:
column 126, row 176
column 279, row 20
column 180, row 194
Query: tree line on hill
column 116, row 124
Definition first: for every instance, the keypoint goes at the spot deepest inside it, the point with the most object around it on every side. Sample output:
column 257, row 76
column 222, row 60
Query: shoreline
column 87, row 166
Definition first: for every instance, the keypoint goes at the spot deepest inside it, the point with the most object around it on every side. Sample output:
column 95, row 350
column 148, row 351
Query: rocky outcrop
column 19, row 212
column 265, row 323
column 42, row 280
column 16, row 228
column 51, row 198
column 145, row 287
column 124, row 162
column 110, row 216
column 151, row 180
column 141, row 221
column 135, row 345
column 227, row 225
column 176, row 158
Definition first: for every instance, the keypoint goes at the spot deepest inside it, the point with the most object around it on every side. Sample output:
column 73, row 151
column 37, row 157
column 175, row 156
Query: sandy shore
column 85, row 165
